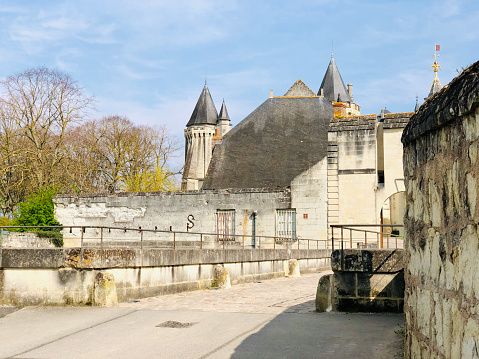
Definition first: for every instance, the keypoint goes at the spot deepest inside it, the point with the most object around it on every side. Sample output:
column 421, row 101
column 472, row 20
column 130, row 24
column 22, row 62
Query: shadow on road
column 296, row 334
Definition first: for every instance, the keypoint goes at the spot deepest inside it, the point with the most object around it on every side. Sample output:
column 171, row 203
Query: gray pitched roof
column 333, row 85
column 278, row 141
column 223, row 113
column 299, row 89
column 205, row 111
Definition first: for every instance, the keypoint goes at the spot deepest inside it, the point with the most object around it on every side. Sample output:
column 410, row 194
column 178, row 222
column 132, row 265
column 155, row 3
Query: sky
column 148, row 60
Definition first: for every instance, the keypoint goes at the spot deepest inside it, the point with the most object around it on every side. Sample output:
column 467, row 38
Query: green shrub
column 38, row 210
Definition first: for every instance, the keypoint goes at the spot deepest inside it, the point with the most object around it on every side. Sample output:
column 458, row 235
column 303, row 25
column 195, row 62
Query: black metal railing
column 102, row 236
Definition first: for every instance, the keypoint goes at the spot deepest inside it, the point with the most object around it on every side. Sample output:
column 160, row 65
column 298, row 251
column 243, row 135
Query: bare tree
column 43, row 104
column 113, row 154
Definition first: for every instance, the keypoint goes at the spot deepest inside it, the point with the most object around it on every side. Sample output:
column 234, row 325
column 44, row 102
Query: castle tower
column 223, row 123
column 436, row 84
column 333, row 89
column 199, row 134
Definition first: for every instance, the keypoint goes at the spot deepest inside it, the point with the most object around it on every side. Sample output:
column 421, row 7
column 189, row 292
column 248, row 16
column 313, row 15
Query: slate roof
column 459, row 98
column 278, row 141
column 333, row 85
column 299, row 89
column 223, row 113
column 205, row 111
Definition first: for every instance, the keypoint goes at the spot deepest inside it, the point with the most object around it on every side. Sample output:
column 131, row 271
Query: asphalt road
column 273, row 319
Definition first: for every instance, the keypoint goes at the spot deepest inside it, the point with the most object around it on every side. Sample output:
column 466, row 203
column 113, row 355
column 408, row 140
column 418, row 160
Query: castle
column 297, row 164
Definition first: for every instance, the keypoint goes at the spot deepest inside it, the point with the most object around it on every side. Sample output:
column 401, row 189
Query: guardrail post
column 81, row 243
column 102, row 256
column 141, row 248
column 332, row 238
column 201, row 248
column 342, row 251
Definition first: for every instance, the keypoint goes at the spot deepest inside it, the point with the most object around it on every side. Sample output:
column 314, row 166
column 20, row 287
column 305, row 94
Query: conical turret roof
column 205, row 111
column 223, row 113
column 333, row 85
column 435, row 87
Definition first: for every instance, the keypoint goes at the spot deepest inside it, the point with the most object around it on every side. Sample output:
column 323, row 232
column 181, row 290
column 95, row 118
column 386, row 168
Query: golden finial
column 436, row 66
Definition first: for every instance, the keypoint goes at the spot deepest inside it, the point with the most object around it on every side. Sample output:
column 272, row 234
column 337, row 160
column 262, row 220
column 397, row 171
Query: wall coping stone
column 368, row 260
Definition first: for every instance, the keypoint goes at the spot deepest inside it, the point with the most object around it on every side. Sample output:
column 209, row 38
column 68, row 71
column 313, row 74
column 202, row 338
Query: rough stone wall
column 441, row 169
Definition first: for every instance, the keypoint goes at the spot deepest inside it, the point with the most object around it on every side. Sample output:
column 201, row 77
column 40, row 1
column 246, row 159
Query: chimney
column 271, row 94
column 350, row 91
column 321, row 92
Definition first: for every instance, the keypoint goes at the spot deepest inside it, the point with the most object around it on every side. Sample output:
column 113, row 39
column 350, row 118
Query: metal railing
column 114, row 237
column 361, row 236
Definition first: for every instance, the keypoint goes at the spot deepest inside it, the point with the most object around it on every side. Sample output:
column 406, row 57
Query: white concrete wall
column 357, row 176
column 393, row 167
column 309, row 194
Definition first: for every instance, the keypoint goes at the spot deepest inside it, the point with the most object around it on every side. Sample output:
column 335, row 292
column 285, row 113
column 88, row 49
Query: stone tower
column 204, row 129
column 333, row 89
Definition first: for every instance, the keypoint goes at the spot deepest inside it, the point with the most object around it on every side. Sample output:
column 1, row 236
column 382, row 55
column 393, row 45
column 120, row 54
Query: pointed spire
column 417, row 104
column 223, row 113
column 205, row 111
column 333, row 85
column 436, row 84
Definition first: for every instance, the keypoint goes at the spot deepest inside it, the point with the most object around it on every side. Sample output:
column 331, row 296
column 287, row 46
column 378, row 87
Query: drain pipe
column 255, row 215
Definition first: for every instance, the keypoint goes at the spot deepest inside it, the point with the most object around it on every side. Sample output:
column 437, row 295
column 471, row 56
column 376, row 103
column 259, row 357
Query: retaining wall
column 66, row 276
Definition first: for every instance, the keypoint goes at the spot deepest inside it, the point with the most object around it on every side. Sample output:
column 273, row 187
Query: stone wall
column 66, row 276
column 363, row 280
column 24, row 240
column 174, row 210
column 441, row 169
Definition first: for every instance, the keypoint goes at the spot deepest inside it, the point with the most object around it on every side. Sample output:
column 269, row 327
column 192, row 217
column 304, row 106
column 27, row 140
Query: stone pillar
column 105, row 290
column 291, row 269
column 222, row 277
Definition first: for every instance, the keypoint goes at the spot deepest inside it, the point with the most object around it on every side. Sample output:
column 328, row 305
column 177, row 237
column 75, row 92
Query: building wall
column 441, row 175
column 357, row 176
column 170, row 210
column 309, row 194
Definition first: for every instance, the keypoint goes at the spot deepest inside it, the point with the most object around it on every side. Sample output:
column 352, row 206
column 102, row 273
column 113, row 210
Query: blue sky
column 148, row 59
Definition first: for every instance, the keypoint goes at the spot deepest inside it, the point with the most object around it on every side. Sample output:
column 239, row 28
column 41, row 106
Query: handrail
column 360, row 228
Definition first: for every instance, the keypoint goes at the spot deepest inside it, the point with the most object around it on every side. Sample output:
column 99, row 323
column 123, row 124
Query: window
column 286, row 223
column 225, row 224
